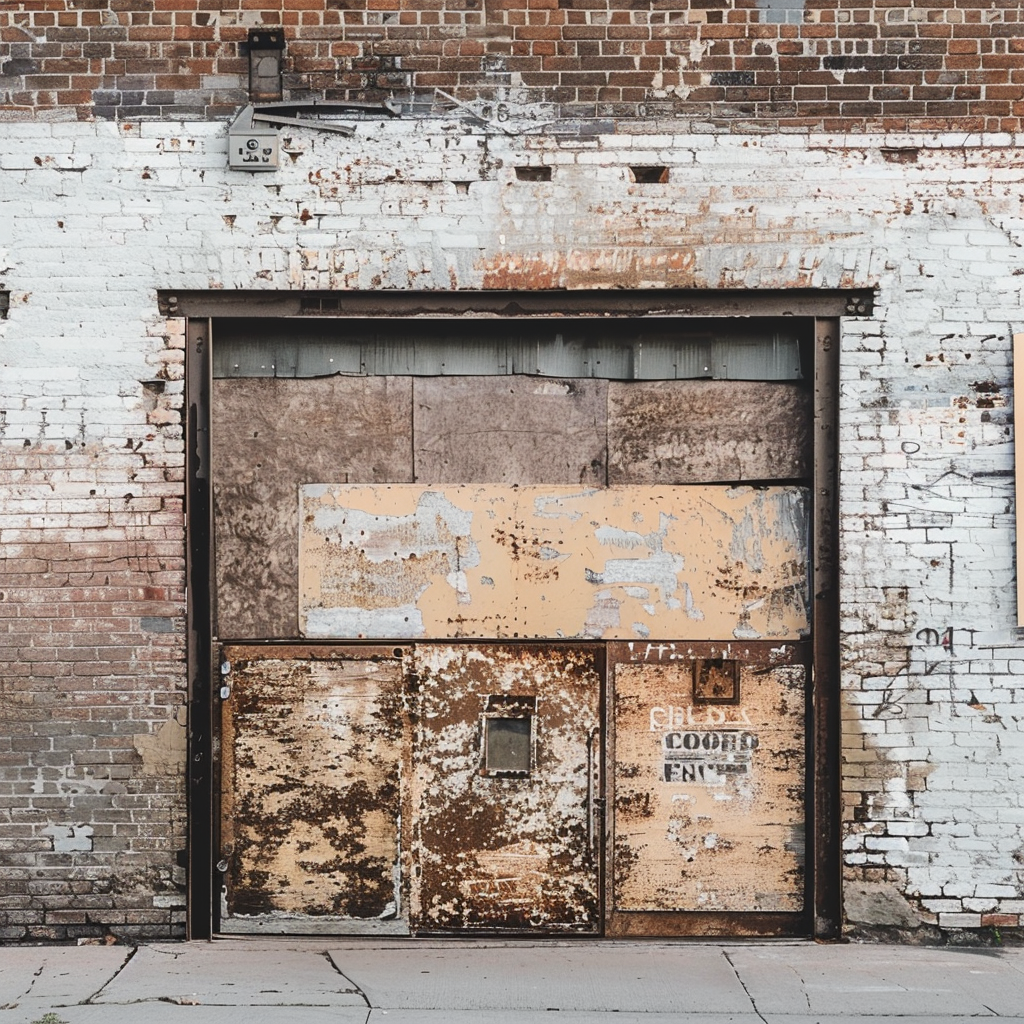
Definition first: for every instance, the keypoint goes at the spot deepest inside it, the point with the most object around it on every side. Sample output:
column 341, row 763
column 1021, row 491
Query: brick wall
column 842, row 65
column 92, row 723
column 92, row 809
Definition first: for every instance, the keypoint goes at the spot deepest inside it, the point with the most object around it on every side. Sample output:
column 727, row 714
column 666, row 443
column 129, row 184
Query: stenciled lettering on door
column 709, row 757
column 703, row 744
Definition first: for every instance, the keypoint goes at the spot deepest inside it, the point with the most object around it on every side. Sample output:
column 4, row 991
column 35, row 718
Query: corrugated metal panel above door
column 648, row 349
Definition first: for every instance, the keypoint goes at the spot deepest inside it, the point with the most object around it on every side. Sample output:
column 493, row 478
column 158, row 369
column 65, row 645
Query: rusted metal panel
column 310, row 802
column 495, row 848
column 510, row 430
column 269, row 436
column 709, row 780
column 498, row 561
column 703, row 431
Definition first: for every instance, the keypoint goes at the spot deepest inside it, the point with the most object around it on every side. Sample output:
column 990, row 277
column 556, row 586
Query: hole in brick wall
column 462, row 187
column 901, row 155
column 653, row 175
column 5, row 305
column 533, row 173
column 151, row 392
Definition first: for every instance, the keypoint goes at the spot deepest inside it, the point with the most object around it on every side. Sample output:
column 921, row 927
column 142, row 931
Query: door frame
column 825, row 307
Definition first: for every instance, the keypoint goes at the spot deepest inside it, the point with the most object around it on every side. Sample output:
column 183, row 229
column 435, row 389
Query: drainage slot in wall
column 533, row 173
column 649, row 175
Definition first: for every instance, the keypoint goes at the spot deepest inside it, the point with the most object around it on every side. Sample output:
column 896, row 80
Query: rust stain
column 310, row 801
column 502, row 561
column 616, row 268
column 498, row 852
column 709, row 796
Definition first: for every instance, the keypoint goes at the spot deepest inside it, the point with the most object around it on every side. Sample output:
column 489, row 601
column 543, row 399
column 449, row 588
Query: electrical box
column 252, row 147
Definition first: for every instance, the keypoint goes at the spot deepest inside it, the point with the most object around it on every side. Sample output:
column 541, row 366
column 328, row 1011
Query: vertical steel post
column 199, row 622
column 826, row 722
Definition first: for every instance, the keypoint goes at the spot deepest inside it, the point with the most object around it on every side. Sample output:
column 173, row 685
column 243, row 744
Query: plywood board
column 268, row 436
column 494, row 561
column 310, row 805
column 704, row 431
column 708, row 810
column 514, row 430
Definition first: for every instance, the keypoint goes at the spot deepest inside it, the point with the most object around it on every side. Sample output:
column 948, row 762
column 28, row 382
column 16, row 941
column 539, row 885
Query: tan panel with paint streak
column 510, row 430
column 310, row 791
column 709, row 797
column 707, row 431
column 498, row 561
column 512, row 851
column 268, row 436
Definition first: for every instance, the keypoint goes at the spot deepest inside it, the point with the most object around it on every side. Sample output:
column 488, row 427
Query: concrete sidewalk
column 375, row 981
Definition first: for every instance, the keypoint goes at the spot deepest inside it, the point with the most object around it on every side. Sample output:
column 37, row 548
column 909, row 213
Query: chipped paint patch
column 310, row 799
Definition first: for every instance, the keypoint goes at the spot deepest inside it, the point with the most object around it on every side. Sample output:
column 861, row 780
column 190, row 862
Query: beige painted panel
column 709, row 798
column 498, row 561
column 707, row 431
column 310, row 789
column 514, row 430
column 268, row 436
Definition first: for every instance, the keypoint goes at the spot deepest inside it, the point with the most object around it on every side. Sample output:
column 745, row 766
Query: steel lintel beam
column 583, row 303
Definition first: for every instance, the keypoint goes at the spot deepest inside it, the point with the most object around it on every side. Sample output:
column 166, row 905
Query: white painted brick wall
column 94, row 218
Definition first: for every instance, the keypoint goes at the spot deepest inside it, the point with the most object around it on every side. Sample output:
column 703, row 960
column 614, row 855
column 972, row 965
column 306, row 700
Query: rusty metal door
column 708, row 828
column 310, row 790
column 505, row 801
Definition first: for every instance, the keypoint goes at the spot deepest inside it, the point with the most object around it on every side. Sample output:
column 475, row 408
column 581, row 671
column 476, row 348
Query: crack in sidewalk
column 88, row 1001
column 25, row 994
column 743, row 985
column 354, row 984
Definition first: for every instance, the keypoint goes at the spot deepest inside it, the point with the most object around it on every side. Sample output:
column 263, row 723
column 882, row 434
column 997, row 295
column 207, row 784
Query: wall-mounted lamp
column 266, row 49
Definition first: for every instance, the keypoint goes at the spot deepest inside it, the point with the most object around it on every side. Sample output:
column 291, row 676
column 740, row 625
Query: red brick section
column 92, row 806
column 834, row 66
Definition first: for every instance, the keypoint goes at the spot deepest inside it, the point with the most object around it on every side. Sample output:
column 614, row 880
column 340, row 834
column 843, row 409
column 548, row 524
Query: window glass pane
column 507, row 744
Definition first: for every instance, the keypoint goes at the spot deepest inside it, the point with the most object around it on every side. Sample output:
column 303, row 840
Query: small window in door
column 508, row 746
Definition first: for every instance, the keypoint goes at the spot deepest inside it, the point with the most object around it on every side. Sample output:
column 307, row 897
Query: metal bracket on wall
column 253, row 135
